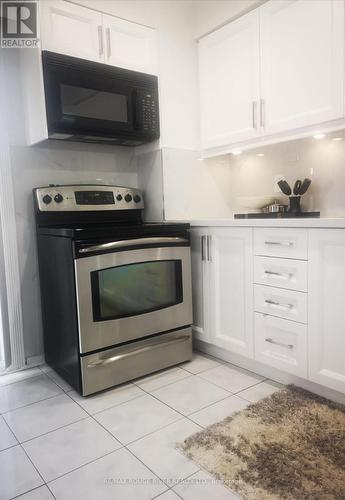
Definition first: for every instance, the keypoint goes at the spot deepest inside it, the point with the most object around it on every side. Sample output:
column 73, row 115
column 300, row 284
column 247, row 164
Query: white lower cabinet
column 327, row 307
column 281, row 344
column 200, row 283
column 289, row 313
column 222, row 272
column 231, row 297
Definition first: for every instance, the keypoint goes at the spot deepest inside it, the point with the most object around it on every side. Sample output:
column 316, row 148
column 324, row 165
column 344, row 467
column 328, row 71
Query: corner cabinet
column 223, row 295
column 77, row 31
column 302, row 60
column 272, row 73
column 327, row 307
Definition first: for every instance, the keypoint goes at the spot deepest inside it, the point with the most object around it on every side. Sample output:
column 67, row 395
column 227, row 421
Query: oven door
column 126, row 295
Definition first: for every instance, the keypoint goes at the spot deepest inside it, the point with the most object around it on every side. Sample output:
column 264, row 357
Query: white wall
column 211, row 14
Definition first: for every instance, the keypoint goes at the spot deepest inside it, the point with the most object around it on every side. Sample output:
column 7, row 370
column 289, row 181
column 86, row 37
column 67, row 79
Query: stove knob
column 47, row 199
column 119, row 197
column 128, row 198
column 58, row 198
column 137, row 198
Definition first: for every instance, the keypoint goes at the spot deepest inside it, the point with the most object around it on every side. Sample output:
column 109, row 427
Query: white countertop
column 322, row 222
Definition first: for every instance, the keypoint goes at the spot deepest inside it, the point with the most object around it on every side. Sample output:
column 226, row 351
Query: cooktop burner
column 277, row 215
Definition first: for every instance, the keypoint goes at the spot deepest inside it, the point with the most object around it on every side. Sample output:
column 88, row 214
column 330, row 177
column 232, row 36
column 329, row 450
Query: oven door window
column 137, row 288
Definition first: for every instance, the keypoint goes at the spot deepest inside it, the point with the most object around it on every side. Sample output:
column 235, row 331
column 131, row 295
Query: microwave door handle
column 154, row 240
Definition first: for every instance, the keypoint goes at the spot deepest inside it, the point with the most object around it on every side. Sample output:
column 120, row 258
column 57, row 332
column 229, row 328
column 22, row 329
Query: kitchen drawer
column 287, row 304
column 282, row 273
column 290, row 243
column 115, row 366
column 281, row 343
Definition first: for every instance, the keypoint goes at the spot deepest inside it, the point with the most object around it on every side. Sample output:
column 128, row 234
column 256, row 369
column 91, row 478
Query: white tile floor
column 121, row 443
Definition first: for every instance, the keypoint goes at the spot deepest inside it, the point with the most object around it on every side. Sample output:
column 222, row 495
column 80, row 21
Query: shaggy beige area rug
column 290, row 445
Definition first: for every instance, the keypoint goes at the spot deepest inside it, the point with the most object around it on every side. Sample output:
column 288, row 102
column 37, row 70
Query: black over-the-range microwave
column 93, row 102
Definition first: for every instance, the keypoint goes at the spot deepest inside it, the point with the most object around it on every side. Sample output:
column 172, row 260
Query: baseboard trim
column 33, row 361
column 267, row 371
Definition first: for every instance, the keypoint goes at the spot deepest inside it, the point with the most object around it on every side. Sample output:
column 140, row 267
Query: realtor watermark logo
column 19, row 24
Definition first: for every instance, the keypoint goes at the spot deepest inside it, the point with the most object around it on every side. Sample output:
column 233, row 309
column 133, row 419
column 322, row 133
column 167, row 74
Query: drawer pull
column 281, row 243
column 278, row 304
column 271, row 341
column 150, row 347
column 279, row 275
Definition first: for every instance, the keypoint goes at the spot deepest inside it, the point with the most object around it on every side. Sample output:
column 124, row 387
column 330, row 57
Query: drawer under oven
column 282, row 273
column 287, row 304
column 114, row 366
column 281, row 344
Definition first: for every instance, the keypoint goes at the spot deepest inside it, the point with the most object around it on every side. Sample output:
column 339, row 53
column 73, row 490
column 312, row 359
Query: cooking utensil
column 297, row 187
column 285, row 188
column 304, row 187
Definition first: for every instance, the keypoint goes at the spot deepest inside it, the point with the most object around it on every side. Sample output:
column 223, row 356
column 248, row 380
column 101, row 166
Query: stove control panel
column 92, row 198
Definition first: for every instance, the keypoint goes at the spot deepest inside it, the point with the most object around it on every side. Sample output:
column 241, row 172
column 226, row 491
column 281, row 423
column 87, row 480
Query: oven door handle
column 134, row 243
column 149, row 347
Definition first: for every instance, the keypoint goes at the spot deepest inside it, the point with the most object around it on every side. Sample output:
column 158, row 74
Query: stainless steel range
column 116, row 293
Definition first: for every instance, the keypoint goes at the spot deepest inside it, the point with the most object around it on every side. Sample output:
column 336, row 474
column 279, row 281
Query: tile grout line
column 119, row 441
column 165, row 385
column 123, row 446
column 33, row 402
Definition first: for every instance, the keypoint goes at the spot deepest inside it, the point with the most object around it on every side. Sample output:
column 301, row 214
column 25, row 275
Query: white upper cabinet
column 302, row 62
column 326, row 308
column 77, row 31
column 70, row 29
column 229, row 82
column 130, row 45
column 231, row 289
column 276, row 70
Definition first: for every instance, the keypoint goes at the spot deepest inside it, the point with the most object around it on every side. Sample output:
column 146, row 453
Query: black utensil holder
column 294, row 205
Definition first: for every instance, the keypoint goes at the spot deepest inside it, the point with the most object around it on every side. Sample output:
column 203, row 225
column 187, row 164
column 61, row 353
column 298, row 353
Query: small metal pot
column 274, row 208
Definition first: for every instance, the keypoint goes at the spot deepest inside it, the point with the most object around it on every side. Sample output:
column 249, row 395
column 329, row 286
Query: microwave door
column 88, row 106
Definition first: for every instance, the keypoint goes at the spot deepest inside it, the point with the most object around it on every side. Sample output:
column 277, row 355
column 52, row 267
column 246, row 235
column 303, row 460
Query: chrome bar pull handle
column 280, row 243
column 279, row 275
column 154, row 240
column 108, row 42
column 262, row 113
column 203, row 245
column 255, row 114
column 209, row 242
column 278, row 304
column 100, row 40
column 153, row 345
column 271, row 341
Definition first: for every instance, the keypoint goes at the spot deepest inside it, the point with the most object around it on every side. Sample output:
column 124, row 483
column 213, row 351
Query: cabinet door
column 200, row 283
column 130, row 45
column 231, row 289
column 229, row 82
column 326, row 308
column 302, row 61
column 69, row 29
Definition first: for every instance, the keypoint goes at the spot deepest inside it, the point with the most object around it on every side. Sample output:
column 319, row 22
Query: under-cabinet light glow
column 236, row 152
column 319, row 136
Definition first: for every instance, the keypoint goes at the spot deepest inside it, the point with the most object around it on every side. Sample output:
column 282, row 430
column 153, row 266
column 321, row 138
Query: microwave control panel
column 88, row 198
column 148, row 111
